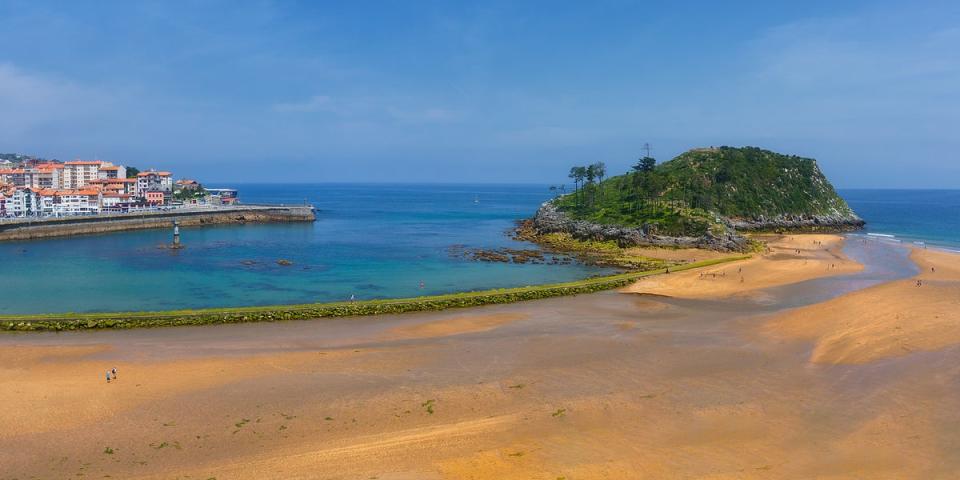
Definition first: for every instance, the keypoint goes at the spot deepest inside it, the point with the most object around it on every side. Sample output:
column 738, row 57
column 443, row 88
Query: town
column 34, row 187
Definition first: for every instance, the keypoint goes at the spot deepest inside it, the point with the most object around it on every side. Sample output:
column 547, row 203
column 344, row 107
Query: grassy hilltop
column 691, row 194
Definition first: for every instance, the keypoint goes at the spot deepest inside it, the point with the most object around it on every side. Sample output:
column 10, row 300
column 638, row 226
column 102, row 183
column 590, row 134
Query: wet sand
column 789, row 259
column 894, row 319
column 608, row 385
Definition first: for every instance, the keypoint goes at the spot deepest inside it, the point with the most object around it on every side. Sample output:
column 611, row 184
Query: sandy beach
column 788, row 259
column 678, row 376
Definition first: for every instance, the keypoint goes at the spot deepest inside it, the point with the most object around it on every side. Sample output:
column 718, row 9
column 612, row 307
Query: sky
column 490, row 91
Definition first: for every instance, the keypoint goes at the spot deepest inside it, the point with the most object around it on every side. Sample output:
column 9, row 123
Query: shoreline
column 272, row 313
column 608, row 385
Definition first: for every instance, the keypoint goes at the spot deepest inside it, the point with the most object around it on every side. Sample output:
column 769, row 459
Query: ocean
column 369, row 241
column 928, row 216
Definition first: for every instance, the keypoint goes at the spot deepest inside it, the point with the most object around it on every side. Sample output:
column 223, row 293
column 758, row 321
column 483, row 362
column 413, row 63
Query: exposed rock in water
column 507, row 255
column 284, row 262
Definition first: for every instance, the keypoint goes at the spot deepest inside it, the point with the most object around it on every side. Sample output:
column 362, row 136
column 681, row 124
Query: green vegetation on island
column 705, row 190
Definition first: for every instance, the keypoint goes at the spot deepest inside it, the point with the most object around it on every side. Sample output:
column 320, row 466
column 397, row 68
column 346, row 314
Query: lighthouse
column 176, row 235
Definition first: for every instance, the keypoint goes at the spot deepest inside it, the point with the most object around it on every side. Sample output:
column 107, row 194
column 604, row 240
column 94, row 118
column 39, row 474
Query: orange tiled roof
column 49, row 192
column 162, row 174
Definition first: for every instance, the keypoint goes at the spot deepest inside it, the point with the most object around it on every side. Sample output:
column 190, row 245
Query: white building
column 68, row 202
column 114, row 200
column 109, row 170
column 18, row 203
column 153, row 181
column 78, row 173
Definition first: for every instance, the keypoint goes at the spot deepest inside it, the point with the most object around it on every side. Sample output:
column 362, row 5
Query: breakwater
column 34, row 228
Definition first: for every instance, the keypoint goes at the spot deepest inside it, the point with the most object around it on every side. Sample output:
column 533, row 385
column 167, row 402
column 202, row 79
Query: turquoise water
column 370, row 241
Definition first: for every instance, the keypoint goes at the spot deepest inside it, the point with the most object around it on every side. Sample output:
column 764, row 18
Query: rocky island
column 705, row 198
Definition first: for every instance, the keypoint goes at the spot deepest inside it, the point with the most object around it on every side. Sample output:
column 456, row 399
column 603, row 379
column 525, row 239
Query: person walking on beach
column 108, row 376
column 114, row 372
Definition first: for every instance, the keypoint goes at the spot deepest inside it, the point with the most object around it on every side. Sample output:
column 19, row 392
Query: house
column 222, row 196
column 187, row 184
column 115, row 202
column 155, row 197
column 109, row 170
column 153, row 181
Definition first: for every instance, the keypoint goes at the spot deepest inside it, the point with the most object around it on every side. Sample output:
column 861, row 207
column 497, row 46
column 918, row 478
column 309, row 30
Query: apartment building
column 44, row 175
column 153, row 181
column 114, row 185
column 78, row 173
column 17, row 202
column 108, row 170
column 67, row 202
column 12, row 176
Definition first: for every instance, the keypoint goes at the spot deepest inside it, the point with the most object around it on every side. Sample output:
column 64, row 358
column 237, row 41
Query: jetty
column 29, row 228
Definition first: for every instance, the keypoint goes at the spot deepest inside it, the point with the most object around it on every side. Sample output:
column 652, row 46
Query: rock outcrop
column 549, row 219
column 832, row 223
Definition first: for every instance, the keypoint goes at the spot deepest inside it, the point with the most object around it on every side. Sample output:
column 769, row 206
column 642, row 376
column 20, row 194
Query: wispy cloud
column 370, row 109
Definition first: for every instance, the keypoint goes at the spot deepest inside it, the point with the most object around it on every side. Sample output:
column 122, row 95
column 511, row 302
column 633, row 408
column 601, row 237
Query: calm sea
column 929, row 216
column 369, row 241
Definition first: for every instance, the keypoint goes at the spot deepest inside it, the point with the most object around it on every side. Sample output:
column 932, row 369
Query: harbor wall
column 28, row 229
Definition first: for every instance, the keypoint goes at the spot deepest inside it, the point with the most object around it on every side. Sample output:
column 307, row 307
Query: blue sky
column 481, row 92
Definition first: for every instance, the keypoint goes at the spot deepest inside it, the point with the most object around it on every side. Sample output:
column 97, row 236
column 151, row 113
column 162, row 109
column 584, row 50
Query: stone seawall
column 22, row 229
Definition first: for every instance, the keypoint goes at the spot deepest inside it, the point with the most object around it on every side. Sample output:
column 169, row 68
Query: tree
column 600, row 170
column 575, row 176
column 646, row 164
column 132, row 172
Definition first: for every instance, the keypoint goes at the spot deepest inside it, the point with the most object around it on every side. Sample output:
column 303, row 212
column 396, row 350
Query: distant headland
column 704, row 198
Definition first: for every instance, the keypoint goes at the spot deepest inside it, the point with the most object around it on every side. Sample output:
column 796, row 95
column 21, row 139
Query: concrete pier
column 32, row 228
